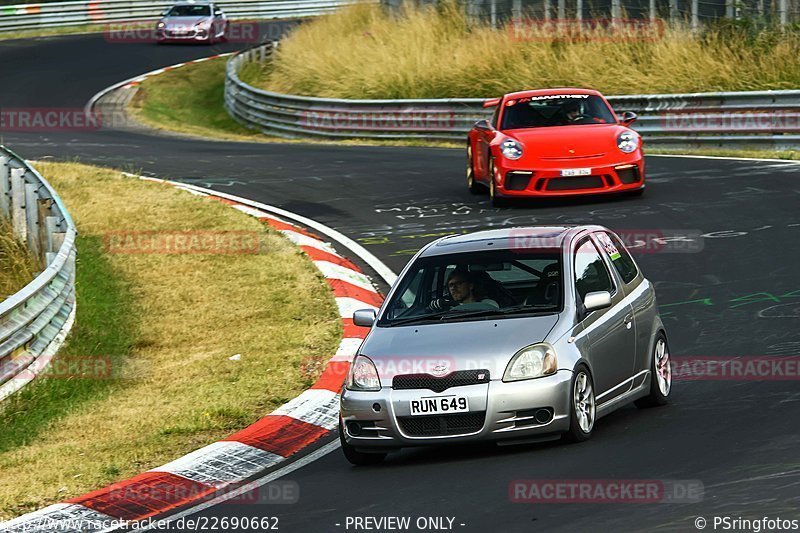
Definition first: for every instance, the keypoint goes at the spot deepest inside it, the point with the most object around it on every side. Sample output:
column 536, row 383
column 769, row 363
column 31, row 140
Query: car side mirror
column 483, row 125
column 217, row 12
column 364, row 317
column 628, row 118
column 596, row 300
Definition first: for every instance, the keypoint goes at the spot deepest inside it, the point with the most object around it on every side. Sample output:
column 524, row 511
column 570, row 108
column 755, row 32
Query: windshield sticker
column 609, row 246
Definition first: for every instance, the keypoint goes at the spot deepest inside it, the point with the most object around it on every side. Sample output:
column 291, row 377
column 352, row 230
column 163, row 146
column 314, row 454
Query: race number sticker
column 611, row 249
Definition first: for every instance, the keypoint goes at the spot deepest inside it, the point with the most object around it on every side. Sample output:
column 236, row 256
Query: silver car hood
column 183, row 22
column 445, row 347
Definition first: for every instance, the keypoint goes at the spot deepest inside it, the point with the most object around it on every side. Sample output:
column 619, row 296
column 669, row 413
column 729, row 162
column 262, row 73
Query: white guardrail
column 764, row 119
column 35, row 320
column 100, row 12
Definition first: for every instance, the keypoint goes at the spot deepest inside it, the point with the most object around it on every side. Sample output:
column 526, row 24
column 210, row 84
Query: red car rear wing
column 491, row 102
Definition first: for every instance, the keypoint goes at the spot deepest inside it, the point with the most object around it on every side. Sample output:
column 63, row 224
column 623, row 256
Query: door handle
column 629, row 321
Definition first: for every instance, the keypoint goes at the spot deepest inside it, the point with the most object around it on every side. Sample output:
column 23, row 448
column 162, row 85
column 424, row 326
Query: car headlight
column 363, row 376
column 627, row 142
column 161, row 25
column 532, row 361
column 511, row 149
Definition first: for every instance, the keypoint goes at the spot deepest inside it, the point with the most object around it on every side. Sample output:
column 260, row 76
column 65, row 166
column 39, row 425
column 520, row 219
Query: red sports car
column 554, row 142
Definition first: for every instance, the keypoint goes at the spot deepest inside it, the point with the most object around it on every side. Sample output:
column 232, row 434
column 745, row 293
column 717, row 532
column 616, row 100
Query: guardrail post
column 516, row 9
column 784, row 14
column 32, row 218
column 18, row 219
column 55, row 238
column 616, row 11
column 546, row 9
column 5, row 187
column 673, row 10
column 653, row 10
column 695, row 15
column 561, row 9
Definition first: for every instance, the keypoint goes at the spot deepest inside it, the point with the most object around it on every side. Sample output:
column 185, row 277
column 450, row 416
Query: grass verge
column 17, row 266
column 189, row 100
column 165, row 325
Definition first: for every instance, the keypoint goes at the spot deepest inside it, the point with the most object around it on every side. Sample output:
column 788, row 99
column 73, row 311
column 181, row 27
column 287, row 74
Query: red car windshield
column 555, row 110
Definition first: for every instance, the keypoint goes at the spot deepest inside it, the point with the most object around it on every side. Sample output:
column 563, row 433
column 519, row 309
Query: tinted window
column 591, row 274
column 620, row 257
column 556, row 110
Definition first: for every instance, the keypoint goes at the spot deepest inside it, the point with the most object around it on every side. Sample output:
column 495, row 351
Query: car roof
column 529, row 237
column 555, row 91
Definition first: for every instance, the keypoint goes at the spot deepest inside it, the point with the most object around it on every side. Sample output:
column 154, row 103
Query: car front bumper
column 194, row 35
column 382, row 419
column 512, row 180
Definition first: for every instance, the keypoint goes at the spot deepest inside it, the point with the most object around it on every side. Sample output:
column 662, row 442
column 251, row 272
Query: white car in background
column 198, row 22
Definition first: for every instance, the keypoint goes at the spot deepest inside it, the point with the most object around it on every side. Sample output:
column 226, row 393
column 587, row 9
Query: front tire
column 660, row 375
column 582, row 410
column 497, row 201
column 354, row 456
column 472, row 184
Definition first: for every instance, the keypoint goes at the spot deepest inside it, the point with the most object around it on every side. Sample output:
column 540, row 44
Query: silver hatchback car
column 513, row 335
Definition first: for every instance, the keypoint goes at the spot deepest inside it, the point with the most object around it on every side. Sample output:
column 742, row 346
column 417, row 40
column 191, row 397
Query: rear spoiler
column 491, row 102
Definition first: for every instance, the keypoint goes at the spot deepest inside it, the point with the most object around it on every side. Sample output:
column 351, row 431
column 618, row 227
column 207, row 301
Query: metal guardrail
column 99, row 12
column 34, row 321
column 764, row 119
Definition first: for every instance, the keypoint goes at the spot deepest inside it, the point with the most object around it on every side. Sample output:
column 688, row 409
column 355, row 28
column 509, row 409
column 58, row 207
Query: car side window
column 495, row 116
column 620, row 258
column 591, row 274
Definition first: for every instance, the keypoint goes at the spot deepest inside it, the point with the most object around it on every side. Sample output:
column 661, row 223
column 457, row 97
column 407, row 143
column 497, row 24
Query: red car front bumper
column 514, row 181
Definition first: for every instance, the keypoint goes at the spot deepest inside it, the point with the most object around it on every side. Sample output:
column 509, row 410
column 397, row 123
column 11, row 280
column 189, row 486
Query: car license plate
column 437, row 405
column 576, row 172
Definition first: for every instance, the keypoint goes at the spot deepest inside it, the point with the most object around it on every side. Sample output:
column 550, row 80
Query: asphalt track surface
column 738, row 295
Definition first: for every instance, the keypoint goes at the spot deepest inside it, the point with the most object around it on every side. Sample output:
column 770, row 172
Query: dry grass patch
column 17, row 265
column 170, row 326
column 365, row 52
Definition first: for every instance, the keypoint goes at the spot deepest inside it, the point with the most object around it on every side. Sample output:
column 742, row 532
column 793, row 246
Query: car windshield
column 496, row 284
column 555, row 110
column 189, row 11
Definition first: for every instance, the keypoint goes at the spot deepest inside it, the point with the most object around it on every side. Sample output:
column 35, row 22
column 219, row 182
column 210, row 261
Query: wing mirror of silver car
column 597, row 300
column 364, row 318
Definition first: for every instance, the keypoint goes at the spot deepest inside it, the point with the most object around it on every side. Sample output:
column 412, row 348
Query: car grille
column 441, row 425
column 575, row 183
column 628, row 175
column 459, row 378
column 517, row 181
